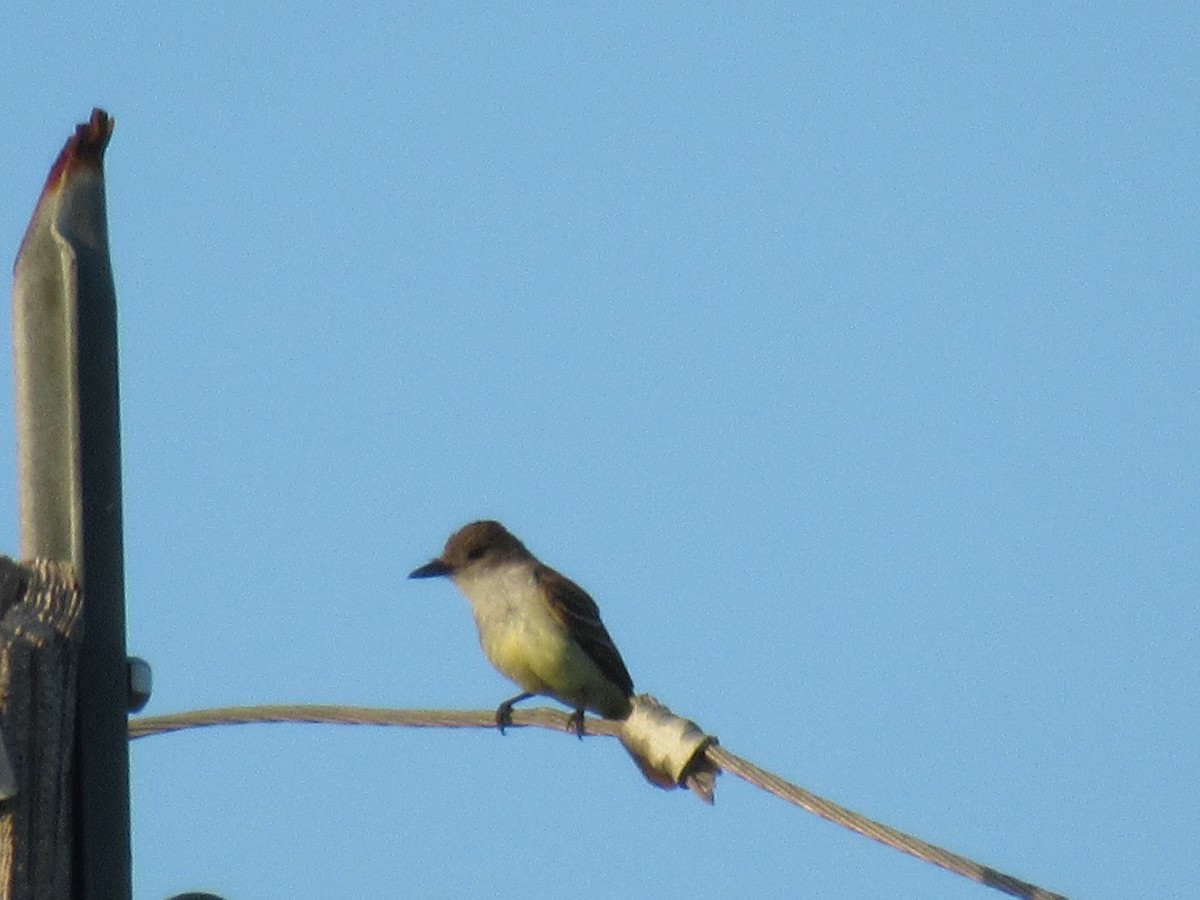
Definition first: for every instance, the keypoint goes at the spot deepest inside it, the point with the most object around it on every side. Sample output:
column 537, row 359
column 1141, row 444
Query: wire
column 545, row 717
column 885, row 834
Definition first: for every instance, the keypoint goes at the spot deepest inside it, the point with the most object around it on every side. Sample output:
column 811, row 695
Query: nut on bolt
column 140, row 682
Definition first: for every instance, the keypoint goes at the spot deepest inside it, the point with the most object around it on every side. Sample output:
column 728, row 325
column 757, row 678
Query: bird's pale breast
column 522, row 638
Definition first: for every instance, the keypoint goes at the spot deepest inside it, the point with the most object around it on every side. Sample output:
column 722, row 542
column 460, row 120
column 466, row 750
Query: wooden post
column 40, row 612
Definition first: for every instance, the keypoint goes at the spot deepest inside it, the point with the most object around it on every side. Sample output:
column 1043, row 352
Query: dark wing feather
column 579, row 614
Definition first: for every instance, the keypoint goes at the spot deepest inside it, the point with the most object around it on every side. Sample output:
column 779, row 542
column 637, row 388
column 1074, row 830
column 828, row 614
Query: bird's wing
column 578, row 613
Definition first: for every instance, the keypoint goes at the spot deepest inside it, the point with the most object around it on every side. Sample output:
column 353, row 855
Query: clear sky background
column 848, row 356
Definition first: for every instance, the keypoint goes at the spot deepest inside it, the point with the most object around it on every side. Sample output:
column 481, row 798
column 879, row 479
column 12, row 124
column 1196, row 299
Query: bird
column 536, row 626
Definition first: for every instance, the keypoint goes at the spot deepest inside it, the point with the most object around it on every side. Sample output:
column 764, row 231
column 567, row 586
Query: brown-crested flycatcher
column 536, row 626
column 544, row 632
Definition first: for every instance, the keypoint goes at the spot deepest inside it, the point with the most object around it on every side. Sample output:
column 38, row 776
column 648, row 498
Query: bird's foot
column 503, row 716
column 575, row 722
column 504, row 711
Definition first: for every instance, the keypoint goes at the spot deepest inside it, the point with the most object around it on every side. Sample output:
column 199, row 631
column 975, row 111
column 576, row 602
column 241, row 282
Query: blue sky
column 846, row 355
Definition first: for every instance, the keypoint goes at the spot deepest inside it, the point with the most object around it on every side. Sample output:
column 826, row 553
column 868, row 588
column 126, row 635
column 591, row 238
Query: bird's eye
column 476, row 552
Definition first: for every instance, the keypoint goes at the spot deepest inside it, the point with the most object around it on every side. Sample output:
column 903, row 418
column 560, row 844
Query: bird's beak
column 432, row 569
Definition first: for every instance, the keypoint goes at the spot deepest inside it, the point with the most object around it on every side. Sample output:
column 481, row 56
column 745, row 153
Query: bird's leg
column 504, row 711
column 575, row 722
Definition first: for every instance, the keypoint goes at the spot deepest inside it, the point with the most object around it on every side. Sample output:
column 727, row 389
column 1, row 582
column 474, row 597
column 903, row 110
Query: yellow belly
column 522, row 638
column 543, row 660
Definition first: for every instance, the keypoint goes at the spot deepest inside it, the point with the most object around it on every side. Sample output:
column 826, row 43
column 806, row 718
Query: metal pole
column 69, row 462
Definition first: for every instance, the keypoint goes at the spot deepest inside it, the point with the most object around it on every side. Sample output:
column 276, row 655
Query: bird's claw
column 575, row 723
column 504, row 715
column 504, row 710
